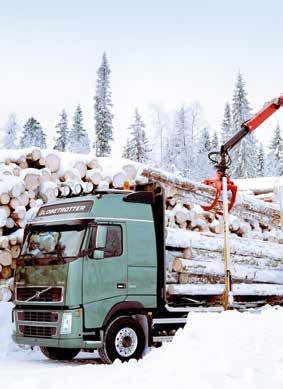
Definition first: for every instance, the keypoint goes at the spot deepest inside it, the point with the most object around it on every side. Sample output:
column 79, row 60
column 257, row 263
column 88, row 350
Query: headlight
column 66, row 325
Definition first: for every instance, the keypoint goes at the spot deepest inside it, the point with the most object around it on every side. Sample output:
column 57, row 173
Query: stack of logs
column 33, row 177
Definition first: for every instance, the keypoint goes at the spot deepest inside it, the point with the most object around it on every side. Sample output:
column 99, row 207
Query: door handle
column 121, row 286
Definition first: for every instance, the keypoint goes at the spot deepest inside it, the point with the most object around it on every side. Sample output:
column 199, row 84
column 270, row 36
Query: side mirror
column 101, row 234
column 98, row 254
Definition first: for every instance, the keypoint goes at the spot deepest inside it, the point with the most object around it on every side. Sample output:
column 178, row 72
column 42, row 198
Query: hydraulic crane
column 222, row 160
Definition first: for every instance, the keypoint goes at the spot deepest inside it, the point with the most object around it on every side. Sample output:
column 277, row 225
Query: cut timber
column 48, row 191
column 5, row 257
column 238, row 289
column 6, row 272
column 81, row 167
column 52, row 161
column 32, row 181
column 15, row 251
column 241, row 246
column 5, row 294
column 130, row 171
column 19, row 213
column 246, row 207
column 119, row 179
column 94, row 164
column 4, row 198
column 94, row 175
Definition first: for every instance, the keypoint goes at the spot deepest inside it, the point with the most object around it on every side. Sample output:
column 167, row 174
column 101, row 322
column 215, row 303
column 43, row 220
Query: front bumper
column 30, row 329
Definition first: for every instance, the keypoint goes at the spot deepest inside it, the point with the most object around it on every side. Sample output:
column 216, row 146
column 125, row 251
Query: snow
column 214, row 350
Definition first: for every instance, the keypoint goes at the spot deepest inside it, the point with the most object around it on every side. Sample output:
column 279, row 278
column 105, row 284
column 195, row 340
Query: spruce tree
column 215, row 142
column 127, row 150
column 62, row 133
column 180, row 142
column 261, row 161
column 137, row 148
column 226, row 128
column 244, row 156
column 102, row 110
column 10, row 132
column 79, row 140
column 205, row 143
column 274, row 153
column 33, row 135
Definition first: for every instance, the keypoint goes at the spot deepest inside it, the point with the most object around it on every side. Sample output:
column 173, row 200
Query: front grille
column 44, row 332
column 37, row 294
column 49, row 317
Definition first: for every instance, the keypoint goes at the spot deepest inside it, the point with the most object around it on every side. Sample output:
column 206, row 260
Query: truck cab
column 91, row 275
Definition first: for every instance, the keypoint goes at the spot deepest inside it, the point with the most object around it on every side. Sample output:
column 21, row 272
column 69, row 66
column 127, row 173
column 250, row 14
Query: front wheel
column 59, row 354
column 124, row 339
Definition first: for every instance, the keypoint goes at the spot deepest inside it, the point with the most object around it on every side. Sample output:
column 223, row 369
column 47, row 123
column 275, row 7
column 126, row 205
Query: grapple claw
column 216, row 183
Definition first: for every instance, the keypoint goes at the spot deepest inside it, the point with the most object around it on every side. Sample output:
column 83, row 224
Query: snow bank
column 231, row 349
column 6, row 343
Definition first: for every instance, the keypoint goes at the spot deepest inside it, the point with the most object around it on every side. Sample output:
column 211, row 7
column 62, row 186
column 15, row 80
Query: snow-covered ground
column 227, row 350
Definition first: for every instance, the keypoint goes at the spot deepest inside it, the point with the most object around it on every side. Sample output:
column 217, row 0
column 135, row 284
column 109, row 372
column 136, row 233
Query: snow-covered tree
column 226, row 127
column 205, row 142
column 127, row 150
column 10, row 132
column 33, row 135
column 137, row 148
column 181, row 139
column 160, row 124
column 273, row 163
column 215, row 142
column 79, row 140
column 102, row 110
column 261, row 161
column 244, row 156
column 61, row 140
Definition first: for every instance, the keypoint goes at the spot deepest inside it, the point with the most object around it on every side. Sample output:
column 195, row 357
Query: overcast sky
column 160, row 51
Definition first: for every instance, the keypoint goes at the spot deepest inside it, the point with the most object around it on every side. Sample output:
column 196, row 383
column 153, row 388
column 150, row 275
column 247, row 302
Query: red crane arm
column 222, row 163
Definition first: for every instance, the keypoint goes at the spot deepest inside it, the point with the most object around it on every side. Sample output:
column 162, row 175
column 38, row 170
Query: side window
column 113, row 242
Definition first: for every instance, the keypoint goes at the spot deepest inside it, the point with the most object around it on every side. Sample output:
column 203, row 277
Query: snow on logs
column 30, row 178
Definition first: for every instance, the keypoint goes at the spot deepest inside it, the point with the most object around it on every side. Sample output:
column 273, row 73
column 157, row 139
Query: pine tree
column 62, row 130
column 205, row 143
column 244, row 156
column 274, row 153
column 180, row 142
column 137, row 147
column 127, row 150
column 10, row 129
column 33, row 135
column 102, row 108
column 79, row 140
column 261, row 161
column 226, row 128
column 215, row 142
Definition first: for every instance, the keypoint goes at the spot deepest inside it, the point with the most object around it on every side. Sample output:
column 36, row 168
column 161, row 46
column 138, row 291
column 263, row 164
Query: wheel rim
column 126, row 342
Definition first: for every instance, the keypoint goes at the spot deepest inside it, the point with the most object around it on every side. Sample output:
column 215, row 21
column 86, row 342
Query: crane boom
column 222, row 159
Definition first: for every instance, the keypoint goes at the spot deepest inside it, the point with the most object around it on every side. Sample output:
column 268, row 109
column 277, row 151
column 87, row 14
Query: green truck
column 91, row 276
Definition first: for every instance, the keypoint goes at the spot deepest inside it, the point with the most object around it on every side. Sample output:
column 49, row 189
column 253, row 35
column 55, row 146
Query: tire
column 59, row 354
column 124, row 339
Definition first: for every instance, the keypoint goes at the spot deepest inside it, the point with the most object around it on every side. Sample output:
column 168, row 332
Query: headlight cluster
column 66, row 325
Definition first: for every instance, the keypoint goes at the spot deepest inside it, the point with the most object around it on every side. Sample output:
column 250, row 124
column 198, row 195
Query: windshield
column 52, row 245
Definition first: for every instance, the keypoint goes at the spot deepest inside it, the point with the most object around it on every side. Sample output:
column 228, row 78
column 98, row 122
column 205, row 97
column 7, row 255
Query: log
column 5, row 257
column 81, row 167
column 94, row 176
column 10, row 223
column 246, row 207
column 15, row 251
column 119, row 179
column 131, row 171
column 5, row 294
column 15, row 203
column 52, row 161
column 3, row 217
column 4, row 242
column 6, row 272
column 19, row 213
column 4, row 198
column 24, row 199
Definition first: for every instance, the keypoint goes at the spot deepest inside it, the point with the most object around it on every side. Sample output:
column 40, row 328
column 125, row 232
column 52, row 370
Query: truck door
column 105, row 273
